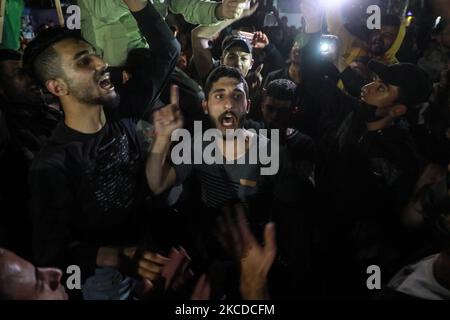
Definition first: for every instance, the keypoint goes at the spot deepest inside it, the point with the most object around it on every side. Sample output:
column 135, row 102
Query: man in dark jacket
column 367, row 166
column 88, row 189
column 26, row 121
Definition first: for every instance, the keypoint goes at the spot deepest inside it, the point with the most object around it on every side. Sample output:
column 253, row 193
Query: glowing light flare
column 325, row 47
column 332, row 3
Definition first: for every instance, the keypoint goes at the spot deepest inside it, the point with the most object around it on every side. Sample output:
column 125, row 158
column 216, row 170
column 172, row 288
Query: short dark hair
column 40, row 59
column 281, row 89
column 222, row 72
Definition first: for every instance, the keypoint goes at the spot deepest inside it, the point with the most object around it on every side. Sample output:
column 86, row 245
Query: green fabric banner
column 12, row 25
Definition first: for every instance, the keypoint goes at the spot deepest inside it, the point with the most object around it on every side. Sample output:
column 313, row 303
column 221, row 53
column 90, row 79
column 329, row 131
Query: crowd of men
column 358, row 121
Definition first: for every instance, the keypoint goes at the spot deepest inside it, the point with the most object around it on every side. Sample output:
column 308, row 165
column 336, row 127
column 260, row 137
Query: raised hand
column 231, row 9
column 168, row 118
column 176, row 271
column 260, row 40
column 202, row 290
column 255, row 79
column 146, row 265
column 255, row 260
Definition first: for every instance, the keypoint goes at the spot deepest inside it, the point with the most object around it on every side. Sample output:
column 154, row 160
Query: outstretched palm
column 255, row 259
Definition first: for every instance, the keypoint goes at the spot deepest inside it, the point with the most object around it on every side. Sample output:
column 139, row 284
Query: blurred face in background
column 15, row 85
column 276, row 112
column 382, row 40
column 237, row 57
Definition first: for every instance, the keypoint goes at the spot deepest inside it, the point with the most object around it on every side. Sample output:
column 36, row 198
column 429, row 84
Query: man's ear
column 205, row 106
column 251, row 66
column 398, row 111
column 57, row 87
column 249, row 103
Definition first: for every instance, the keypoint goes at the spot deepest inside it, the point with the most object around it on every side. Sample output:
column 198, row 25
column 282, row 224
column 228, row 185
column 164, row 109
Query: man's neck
column 380, row 124
column 441, row 269
column 294, row 73
column 85, row 119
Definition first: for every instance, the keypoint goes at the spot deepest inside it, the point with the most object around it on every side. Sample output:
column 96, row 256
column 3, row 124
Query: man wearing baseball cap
column 237, row 53
column 367, row 166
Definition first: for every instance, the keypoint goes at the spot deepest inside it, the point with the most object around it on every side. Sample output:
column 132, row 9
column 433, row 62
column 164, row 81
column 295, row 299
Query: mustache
column 228, row 113
column 101, row 74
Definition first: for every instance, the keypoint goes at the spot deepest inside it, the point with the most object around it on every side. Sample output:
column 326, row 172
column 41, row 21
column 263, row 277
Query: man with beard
column 29, row 120
column 226, row 105
column 367, row 167
column 220, row 183
column 381, row 44
column 87, row 189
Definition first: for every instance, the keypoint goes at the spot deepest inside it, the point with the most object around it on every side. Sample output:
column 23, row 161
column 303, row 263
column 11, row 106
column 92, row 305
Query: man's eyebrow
column 218, row 90
column 80, row 54
column 239, row 90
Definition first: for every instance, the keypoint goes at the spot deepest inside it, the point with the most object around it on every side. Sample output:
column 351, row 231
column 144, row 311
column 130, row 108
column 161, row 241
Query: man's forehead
column 72, row 46
column 388, row 29
column 228, row 83
column 277, row 102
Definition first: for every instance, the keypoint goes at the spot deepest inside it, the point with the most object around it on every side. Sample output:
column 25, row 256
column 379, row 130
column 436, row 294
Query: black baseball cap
column 414, row 83
column 236, row 41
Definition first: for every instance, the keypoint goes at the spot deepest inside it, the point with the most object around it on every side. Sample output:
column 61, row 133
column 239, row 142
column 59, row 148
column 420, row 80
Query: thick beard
column 106, row 102
column 377, row 50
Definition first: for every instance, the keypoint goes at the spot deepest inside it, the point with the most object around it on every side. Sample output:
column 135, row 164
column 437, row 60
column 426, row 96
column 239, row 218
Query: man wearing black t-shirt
column 87, row 188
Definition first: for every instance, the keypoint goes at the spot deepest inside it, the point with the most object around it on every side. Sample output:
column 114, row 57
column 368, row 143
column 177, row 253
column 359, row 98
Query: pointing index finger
column 174, row 95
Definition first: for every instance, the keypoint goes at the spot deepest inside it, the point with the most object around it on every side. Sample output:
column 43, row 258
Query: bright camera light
column 325, row 47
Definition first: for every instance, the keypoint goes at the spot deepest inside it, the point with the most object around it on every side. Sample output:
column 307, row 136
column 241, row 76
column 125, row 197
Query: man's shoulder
column 51, row 157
